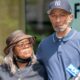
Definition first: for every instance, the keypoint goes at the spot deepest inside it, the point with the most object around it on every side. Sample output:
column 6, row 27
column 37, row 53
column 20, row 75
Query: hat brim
column 49, row 11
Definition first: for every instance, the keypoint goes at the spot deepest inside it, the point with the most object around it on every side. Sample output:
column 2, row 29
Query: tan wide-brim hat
column 15, row 37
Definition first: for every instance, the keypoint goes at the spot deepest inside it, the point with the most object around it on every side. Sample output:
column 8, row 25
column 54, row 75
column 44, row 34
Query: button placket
column 60, row 59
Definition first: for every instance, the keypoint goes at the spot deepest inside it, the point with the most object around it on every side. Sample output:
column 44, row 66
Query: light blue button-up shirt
column 57, row 54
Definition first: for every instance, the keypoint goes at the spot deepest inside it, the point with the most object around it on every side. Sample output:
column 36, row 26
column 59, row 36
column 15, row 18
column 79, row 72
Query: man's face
column 23, row 49
column 60, row 19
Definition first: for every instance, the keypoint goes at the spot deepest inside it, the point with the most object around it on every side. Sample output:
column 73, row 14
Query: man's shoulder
column 77, row 35
column 47, row 39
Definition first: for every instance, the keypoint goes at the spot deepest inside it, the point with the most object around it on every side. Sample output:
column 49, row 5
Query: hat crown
column 16, row 36
column 62, row 4
column 57, row 3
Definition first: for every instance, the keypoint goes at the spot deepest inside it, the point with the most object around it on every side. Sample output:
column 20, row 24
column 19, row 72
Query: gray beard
column 60, row 30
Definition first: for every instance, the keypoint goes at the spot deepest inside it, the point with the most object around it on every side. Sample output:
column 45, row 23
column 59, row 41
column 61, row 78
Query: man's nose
column 58, row 19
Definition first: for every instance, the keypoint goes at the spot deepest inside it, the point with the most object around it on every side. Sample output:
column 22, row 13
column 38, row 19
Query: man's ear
column 70, row 18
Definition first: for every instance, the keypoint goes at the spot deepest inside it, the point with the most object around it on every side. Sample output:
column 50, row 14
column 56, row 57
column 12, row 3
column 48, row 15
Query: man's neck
column 63, row 33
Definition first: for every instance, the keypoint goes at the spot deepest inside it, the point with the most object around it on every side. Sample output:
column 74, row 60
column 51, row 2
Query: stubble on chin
column 59, row 29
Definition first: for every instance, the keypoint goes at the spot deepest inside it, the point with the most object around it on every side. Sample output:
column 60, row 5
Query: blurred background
column 30, row 16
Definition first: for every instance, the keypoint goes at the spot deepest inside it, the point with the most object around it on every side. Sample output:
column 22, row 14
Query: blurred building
column 36, row 15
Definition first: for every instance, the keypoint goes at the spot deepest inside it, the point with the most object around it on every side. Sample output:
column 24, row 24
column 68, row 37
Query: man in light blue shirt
column 62, row 48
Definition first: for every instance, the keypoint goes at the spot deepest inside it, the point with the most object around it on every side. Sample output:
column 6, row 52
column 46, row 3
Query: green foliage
column 37, row 36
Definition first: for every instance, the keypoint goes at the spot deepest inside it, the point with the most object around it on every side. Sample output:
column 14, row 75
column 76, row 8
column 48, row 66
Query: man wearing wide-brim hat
column 20, row 61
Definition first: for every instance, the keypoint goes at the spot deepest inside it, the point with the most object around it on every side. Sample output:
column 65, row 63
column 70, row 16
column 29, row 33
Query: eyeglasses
column 23, row 45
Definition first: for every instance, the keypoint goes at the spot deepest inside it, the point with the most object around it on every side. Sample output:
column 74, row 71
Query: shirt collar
column 66, row 38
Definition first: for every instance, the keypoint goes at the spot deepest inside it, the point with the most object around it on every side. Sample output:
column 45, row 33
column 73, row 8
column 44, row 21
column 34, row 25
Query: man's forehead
column 59, row 11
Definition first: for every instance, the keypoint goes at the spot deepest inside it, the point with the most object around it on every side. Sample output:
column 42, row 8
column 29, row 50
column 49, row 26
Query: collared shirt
column 57, row 54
